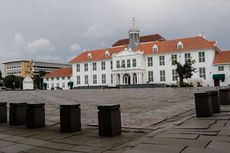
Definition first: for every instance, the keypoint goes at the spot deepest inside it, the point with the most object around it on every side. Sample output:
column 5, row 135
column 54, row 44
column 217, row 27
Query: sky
column 58, row 30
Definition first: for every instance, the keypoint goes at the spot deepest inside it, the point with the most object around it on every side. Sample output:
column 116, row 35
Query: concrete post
column 203, row 105
column 3, row 112
column 70, row 118
column 17, row 113
column 35, row 115
column 109, row 120
column 215, row 101
column 224, row 95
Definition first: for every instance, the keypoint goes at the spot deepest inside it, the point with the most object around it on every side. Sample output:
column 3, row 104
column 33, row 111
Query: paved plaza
column 160, row 120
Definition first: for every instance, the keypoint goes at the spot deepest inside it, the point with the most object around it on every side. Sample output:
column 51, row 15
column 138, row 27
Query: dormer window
column 90, row 56
column 180, row 45
column 107, row 53
column 155, row 48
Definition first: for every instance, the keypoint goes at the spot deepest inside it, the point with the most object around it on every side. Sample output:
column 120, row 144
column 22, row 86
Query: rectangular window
column 174, row 75
column 94, row 66
column 103, row 79
column 162, row 60
column 63, row 85
column 86, row 66
column 150, row 76
column 63, row 78
column 86, row 79
column 202, row 72
column 47, row 79
column 162, row 75
column 52, row 85
column 174, row 58
column 57, row 78
column 94, row 79
column 102, row 65
column 78, row 67
column 111, row 78
column 187, row 57
column 123, row 63
column 128, row 63
column 68, row 77
column 150, row 61
column 52, row 79
column 201, row 57
column 111, row 65
column 118, row 64
column 220, row 68
column 134, row 62
column 78, row 79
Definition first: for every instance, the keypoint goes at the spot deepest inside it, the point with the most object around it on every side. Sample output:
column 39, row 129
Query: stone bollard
column 224, row 95
column 203, row 105
column 17, row 113
column 3, row 112
column 35, row 115
column 109, row 120
column 215, row 101
column 70, row 118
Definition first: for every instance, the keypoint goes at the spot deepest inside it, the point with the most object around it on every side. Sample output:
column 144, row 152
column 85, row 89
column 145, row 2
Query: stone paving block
column 220, row 145
column 178, row 136
column 33, row 142
column 5, row 143
column 201, row 150
column 16, row 148
column 14, row 138
column 196, row 124
column 225, row 131
column 172, row 141
column 2, row 136
column 195, row 132
column 149, row 148
column 41, row 150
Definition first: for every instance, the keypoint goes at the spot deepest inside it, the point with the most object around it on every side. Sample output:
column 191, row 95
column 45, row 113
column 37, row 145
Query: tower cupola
column 134, row 36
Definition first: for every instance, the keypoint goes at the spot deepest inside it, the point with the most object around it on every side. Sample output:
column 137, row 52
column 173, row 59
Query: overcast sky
column 57, row 30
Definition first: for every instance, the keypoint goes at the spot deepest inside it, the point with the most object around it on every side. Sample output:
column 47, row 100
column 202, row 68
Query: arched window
column 180, row 45
column 155, row 48
column 90, row 56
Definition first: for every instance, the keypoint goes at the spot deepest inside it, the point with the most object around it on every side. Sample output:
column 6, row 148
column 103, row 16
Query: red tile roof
column 60, row 73
column 222, row 58
column 167, row 46
column 147, row 38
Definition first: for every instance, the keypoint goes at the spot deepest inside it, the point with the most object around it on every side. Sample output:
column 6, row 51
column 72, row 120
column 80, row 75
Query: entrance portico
column 128, row 78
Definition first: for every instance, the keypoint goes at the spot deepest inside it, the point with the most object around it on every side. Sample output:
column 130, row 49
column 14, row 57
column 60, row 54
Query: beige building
column 24, row 67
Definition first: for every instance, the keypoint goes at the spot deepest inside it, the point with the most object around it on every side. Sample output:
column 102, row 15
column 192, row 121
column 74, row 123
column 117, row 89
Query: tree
column 0, row 75
column 38, row 80
column 13, row 82
column 184, row 71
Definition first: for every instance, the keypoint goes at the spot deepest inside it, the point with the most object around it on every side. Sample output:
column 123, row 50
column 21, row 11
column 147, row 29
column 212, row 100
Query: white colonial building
column 148, row 60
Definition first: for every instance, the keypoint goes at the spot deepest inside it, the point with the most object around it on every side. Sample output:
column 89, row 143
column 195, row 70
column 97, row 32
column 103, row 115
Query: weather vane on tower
column 134, row 21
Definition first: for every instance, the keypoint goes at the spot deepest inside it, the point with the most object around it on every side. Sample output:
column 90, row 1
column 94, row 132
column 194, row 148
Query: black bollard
column 3, row 112
column 109, row 120
column 35, row 115
column 70, row 118
column 224, row 95
column 17, row 113
column 203, row 105
column 215, row 101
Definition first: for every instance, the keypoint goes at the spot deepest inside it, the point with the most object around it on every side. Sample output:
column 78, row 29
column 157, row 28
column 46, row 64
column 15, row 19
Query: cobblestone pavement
column 160, row 120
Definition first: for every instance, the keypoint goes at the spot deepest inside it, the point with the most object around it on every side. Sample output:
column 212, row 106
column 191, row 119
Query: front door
column 216, row 82
column 126, row 79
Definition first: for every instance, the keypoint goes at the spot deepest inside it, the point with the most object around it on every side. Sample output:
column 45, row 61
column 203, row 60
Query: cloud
column 19, row 40
column 74, row 48
column 40, row 45
column 98, row 32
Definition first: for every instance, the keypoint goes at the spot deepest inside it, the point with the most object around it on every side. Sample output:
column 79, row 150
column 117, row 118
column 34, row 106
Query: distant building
column 24, row 67
column 148, row 60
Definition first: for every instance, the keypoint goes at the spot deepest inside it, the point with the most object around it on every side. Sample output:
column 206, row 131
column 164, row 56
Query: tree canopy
column 13, row 82
column 185, row 70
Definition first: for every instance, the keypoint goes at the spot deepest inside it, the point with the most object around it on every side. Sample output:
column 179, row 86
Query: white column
column 131, row 78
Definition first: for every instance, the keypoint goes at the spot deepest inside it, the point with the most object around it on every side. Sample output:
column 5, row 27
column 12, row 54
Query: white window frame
column 162, row 76
column 161, row 60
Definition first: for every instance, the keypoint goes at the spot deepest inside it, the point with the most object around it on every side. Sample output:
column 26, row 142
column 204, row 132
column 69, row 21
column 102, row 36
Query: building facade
column 148, row 60
column 24, row 67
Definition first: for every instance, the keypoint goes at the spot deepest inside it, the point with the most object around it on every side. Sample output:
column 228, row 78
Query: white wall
column 55, row 81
